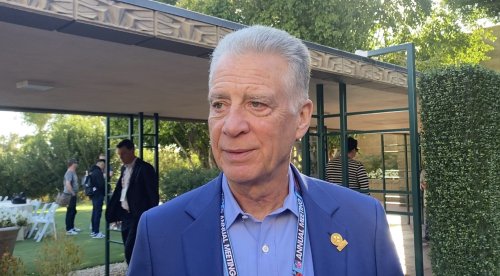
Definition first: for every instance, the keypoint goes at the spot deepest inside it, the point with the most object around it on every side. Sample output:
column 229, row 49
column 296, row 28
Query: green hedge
column 460, row 112
column 177, row 181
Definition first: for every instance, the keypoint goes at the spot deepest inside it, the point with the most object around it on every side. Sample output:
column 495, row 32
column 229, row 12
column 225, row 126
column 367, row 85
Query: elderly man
column 261, row 216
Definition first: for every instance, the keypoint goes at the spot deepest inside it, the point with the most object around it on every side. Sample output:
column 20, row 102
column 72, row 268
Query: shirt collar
column 232, row 209
column 131, row 164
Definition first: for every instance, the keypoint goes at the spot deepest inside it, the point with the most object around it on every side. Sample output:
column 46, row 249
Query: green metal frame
column 141, row 144
column 321, row 135
column 409, row 48
column 384, row 185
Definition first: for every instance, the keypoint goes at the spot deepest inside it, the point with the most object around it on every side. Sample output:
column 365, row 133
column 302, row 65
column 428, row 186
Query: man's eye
column 217, row 105
column 257, row 104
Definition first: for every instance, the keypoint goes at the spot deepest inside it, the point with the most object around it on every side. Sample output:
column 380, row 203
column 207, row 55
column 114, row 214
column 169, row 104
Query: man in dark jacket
column 97, row 180
column 136, row 191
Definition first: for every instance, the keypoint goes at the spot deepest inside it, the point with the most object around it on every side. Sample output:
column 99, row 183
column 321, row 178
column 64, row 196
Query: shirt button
column 265, row 248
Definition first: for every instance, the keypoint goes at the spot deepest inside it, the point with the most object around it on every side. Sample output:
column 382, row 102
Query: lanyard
column 300, row 241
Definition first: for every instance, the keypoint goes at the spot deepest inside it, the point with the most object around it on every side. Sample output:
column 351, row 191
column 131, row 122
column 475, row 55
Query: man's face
column 126, row 155
column 252, row 127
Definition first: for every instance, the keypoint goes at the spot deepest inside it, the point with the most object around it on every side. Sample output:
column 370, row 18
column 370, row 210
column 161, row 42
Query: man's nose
column 235, row 122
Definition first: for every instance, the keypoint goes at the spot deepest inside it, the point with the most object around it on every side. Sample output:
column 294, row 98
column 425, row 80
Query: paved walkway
column 402, row 234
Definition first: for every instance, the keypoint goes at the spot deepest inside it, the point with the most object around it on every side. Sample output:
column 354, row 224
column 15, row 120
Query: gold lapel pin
column 338, row 241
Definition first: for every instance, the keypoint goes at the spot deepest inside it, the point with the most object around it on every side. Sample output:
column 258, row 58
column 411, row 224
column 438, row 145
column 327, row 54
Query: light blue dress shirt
column 266, row 247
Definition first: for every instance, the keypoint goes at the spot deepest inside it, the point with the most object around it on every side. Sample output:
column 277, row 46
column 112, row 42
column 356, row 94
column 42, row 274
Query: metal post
column 343, row 133
column 107, row 143
column 384, row 184
column 412, row 105
column 156, row 126
column 131, row 128
column 141, row 135
column 320, row 129
column 412, row 110
column 406, row 178
column 306, row 154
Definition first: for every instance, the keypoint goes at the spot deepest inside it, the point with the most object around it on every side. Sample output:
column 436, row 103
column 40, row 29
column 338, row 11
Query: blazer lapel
column 135, row 171
column 201, row 240
column 321, row 224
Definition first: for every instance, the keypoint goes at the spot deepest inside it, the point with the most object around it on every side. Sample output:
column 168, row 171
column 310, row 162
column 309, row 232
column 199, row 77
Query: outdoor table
column 19, row 207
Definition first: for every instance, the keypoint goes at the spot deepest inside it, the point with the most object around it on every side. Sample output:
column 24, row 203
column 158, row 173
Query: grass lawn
column 93, row 249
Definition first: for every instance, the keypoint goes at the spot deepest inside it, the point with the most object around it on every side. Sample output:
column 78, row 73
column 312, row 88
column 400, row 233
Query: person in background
column 260, row 216
column 70, row 183
column 97, row 179
column 423, row 187
column 136, row 191
column 358, row 178
column 102, row 156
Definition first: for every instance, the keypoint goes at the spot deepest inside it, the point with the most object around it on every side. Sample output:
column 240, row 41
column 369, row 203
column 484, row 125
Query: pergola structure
column 102, row 57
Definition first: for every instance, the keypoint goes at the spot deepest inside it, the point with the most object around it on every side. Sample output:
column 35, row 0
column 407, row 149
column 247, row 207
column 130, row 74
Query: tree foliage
column 490, row 8
column 442, row 36
column 177, row 181
column 446, row 37
column 190, row 137
column 36, row 163
column 343, row 24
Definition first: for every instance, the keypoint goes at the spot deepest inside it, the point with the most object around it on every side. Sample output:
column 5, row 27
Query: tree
column 490, row 8
column 446, row 37
column 442, row 36
column 190, row 137
column 39, row 120
column 9, row 151
column 343, row 24
column 36, row 164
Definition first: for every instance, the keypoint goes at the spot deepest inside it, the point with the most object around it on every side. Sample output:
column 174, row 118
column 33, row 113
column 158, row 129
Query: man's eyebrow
column 255, row 97
column 217, row 96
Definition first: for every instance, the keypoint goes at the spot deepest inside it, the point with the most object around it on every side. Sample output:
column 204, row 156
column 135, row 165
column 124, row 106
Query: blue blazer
column 182, row 236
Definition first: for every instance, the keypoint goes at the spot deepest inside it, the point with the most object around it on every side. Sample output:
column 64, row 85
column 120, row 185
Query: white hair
column 268, row 40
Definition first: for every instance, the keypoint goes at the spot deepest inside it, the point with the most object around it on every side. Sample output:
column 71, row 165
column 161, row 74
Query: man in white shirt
column 136, row 191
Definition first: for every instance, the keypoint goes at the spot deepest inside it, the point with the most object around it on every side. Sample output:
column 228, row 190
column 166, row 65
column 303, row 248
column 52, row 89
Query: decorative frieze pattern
column 145, row 21
column 188, row 30
column 60, row 7
column 116, row 14
column 327, row 62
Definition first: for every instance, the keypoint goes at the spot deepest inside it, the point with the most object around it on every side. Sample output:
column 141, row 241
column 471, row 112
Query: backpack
column 88, row 187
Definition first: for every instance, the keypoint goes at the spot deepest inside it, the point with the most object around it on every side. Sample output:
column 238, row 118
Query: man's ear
column 305, row 113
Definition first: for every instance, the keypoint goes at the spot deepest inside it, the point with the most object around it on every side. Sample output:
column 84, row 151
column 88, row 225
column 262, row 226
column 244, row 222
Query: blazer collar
column 202, row 241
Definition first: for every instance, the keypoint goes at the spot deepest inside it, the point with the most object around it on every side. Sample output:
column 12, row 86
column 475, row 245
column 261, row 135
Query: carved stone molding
column 123, row 16
column 116, row 14
column 60, row 7
column 355, row 68
column 326, row 62
column 179, row 28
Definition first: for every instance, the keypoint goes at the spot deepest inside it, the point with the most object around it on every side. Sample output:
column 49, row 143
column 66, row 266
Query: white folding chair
column 47, row 220
column 37, row 217
column 36, row 205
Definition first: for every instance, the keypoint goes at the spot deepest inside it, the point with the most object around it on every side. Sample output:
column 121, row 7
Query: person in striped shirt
column 358, row 179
